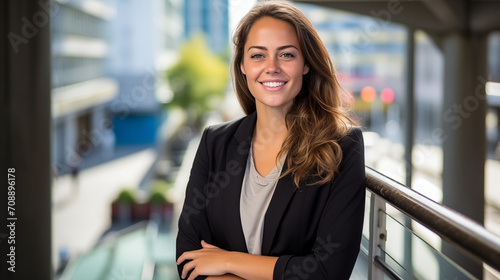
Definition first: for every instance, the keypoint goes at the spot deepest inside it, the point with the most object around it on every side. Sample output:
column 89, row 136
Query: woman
column 278, row 194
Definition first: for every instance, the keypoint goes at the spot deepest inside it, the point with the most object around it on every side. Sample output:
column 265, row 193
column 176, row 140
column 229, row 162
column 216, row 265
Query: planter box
column 121, row 212
column 140, row 211
column 165, row 210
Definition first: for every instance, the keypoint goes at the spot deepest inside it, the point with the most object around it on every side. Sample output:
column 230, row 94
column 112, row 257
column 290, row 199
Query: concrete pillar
column 25, row 139
column 464, row 131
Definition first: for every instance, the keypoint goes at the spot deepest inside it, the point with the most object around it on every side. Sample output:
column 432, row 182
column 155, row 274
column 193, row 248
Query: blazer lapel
column 285, row 189
column 237, row 156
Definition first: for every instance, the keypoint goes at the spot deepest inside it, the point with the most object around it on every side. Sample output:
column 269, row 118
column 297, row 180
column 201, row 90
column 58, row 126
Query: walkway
column 81, row 215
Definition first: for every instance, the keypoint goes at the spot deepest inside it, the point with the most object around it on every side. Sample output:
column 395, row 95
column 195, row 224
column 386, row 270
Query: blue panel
column 136, row 129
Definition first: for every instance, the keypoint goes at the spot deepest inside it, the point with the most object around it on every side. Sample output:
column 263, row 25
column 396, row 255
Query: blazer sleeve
column 193, row 222
column 339, row 231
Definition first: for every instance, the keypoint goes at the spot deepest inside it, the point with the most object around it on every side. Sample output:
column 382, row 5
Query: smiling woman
column 278, row 194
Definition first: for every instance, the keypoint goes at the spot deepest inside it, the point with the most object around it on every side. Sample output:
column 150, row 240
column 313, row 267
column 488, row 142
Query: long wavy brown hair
column 317, row 120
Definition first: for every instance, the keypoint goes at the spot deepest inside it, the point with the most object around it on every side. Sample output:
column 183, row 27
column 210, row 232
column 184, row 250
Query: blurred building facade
column 81, row 85
column 365, row 53
column 106, row 57
column 144, row 35
column 210, row 18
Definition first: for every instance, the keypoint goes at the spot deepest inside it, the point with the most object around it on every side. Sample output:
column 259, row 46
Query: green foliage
column 158, row 190
column 199, row 79
column 157, row 197
column 126, row 196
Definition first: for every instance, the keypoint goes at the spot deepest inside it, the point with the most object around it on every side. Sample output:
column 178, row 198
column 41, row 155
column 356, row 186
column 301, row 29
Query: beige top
column 256, row 194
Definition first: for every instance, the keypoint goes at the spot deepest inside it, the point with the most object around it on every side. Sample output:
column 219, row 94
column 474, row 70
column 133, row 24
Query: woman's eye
column 287, row 55
column 256, row 56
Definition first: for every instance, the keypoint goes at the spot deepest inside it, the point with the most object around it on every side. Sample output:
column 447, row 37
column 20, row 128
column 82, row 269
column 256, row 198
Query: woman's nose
column 272, row 66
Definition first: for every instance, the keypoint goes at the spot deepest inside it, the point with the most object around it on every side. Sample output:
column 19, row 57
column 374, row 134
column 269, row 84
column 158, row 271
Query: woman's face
column 273, row 63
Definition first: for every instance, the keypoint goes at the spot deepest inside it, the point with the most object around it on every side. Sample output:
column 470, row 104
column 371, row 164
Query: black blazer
column 314, row 230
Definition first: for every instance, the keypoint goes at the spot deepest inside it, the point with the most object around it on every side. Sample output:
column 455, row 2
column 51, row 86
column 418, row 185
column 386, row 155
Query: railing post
column 378, row 236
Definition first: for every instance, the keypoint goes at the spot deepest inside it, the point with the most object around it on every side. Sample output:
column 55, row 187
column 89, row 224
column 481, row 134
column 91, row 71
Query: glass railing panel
column 164, row 256
column 122, row 259
column 90, row 266
column 360, row 271
column 406, row 249
column 397, row 268
column 130, row 253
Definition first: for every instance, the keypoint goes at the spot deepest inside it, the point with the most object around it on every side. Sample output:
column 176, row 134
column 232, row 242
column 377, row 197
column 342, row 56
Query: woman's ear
column 242, row 68
column 306, row 69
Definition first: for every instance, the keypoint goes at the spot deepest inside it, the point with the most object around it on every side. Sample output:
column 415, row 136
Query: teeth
column 273, row 84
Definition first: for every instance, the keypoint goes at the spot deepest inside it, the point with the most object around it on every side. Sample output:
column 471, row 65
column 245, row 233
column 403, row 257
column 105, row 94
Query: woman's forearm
column 248, row 266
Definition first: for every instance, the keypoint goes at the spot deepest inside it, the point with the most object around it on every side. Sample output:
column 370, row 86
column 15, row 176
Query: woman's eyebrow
column 279, row 48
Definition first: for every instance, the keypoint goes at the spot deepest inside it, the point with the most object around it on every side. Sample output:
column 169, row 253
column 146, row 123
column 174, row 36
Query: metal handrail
column 457, row 229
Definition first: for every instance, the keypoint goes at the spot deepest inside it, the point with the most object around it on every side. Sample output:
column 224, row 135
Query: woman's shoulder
column 353, row 152
column 353, row 137
column 352, row 144
column 224, row 130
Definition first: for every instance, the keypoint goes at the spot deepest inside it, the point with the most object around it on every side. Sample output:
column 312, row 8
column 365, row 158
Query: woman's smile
column 272, row 85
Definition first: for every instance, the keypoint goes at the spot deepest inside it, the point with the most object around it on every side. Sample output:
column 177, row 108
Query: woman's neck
column 269, row 134
column 270, row 127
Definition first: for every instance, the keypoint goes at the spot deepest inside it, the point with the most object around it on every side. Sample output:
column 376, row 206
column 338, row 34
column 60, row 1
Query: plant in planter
column 157, row 197
column 122, row 205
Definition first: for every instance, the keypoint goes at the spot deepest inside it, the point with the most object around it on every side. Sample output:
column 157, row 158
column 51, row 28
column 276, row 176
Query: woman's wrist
column 231, row 263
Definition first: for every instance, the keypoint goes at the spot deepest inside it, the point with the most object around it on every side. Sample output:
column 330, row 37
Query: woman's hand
column 210, row 260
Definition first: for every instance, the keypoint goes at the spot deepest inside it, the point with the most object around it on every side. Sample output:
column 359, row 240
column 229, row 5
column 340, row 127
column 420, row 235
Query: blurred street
column 82, row 211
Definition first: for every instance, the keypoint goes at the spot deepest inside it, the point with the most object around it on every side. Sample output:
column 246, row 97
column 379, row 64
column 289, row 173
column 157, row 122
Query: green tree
column 198, row 80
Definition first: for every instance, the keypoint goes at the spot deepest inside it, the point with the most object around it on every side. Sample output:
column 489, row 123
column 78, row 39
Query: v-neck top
column 256, row 194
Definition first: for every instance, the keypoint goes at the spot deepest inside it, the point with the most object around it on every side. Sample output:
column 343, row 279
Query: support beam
column 25, row 140
column 464, row 131
column 411, row 13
